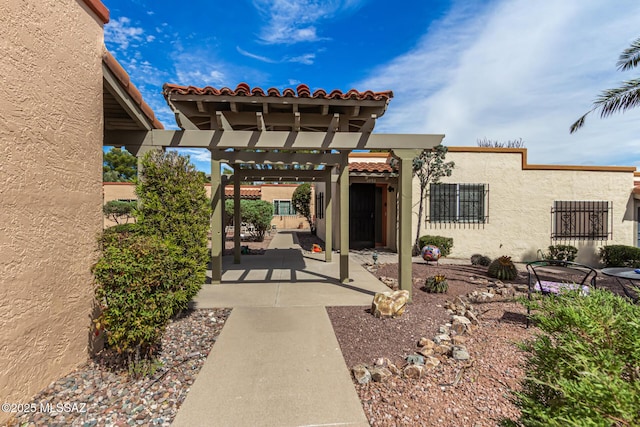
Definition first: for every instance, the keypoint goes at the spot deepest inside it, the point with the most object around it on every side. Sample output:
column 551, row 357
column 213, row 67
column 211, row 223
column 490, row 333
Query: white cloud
column 121, row 33
column 254, row 56
column 293, row 21
column 518, row 69
column 306, row 59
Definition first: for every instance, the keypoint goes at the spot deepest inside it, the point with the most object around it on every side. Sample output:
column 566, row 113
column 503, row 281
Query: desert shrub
column 561, row 253
column 502, row 268
column 478, row 259
column 118, row 210
column 443, row 243
column 256, row 212
column 139, row 285
column 436, row 284
column 583, row 369
column 620, row 256
column 174, row 206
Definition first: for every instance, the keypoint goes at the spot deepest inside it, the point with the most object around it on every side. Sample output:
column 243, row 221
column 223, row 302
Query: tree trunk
column 416, row 244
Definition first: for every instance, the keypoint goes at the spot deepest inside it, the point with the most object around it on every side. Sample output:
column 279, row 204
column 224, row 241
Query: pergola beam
column 215, row 139
column 270, row 157
column 285, row 174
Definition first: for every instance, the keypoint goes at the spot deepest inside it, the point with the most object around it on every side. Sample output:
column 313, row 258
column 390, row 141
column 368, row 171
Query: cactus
column 436, row 285
column 502, row 268
column 482, row 260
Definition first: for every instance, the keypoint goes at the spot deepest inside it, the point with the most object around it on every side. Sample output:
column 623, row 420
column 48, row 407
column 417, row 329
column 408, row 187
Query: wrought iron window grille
column 581, row 220
column 460, row 205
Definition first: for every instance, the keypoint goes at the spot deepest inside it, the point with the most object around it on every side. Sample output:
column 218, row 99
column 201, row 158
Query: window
column 581, row 220
column 465, row 203
column 320, row 205
column 283, row 207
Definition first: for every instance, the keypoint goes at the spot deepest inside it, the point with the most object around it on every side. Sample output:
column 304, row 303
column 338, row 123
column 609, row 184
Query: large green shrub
column 301, row 200
column 443, row 243
column 584, row 368
column 620, row 256
column 259, row 213
column 174, row 206
column 139, row 284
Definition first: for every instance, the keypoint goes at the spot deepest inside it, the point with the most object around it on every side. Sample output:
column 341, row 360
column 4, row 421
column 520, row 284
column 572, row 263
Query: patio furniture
column 552, row 277
column 628, row 279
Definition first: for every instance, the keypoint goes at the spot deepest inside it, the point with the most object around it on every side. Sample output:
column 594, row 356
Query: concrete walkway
column 277, row 361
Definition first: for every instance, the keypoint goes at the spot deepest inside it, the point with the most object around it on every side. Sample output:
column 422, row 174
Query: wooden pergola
column 294, row 128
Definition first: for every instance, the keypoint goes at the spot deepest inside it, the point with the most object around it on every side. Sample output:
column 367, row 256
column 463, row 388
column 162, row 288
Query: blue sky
column 500, row 69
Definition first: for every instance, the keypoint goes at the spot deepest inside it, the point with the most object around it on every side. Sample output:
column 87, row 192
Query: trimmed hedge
column 561, row 253
column 583, row 369
column 443, row 243
column 620, row 256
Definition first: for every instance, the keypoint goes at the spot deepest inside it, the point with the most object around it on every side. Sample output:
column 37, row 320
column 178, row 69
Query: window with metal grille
column 581, row 220
column 283, row 207
column 466, row 203
column 320, row 205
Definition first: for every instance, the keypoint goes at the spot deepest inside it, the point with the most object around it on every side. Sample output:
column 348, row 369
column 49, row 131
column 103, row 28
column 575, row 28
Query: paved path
column 277, row 361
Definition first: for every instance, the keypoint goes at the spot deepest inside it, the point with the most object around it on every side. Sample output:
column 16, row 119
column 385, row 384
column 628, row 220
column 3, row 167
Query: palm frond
column 619, row 99
column 630, row 57
column 579, row 123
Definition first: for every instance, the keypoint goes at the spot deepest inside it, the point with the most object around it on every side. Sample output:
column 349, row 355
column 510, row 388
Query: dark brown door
column 362, row 218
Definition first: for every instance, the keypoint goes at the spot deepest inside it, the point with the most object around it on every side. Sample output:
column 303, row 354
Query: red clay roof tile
column 302, row 91
column 372, row 167
column 245, row 192
column 130, row 88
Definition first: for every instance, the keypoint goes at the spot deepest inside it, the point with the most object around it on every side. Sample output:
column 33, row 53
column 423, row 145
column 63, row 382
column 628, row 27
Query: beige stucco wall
column 520, row 202
column 50, row 189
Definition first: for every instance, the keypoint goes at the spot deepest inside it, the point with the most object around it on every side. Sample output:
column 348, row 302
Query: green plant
column 583, row 369
column 502, row 268
column 443, row 243
column 483, row 260
column 119, row 165
column 139, row 285
column 259, row 213
column 437, row 284
column 301, row 201
column 620, row 256
column 561, row 253
column 174, row 206
column 118, row 210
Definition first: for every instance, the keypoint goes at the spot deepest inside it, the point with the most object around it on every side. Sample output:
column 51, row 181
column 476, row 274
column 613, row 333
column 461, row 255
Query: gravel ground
column 107, row 397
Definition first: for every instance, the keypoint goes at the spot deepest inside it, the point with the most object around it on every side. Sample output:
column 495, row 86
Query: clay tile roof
column 302, row 91
column 129, row 87
column 372, row 167
column 245, row 192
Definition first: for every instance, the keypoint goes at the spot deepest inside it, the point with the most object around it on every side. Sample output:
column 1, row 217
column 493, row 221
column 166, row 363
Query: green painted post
column 344, row 218
column 217, row 198
column 328, row 217
column 237, row 218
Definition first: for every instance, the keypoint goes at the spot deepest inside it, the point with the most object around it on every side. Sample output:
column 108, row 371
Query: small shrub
column 259, row 213
column 620, row 256
column 117, row 210
column 561, row 253
column 483, row 260
column 436, row 285
column 443, row 243
column 502, row 268
column 583, row 369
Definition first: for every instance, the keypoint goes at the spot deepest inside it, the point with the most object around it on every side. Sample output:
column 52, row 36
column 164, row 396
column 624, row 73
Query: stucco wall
column 50, row 189
column 520, row 202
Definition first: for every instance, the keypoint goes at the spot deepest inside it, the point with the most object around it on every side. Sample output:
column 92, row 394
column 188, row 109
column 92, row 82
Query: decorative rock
column 439, row 339
column 431, row 362
column 394, row 369
column 460, row 353
column 389, row 304
column 426, row 342
column 457, row 340
column 413, row 371
column 361, row 374
column 472, row 317
column 415, row 359
column 443, row 349
column 380, row 374
column 426, row 351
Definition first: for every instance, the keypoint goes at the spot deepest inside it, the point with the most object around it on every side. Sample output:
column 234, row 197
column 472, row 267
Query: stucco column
column 344, row 217
column 237, row 218
column 405, row 277
column 328, row 217
column 217, row 199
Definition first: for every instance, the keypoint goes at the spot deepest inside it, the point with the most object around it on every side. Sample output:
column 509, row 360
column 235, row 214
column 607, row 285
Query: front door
column 362, row 218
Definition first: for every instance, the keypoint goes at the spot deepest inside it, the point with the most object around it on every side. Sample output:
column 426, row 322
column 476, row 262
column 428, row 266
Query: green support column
column 344, row 217
column 405, row 277
column 217, row 199
column 237, row 218
column 328, row 217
